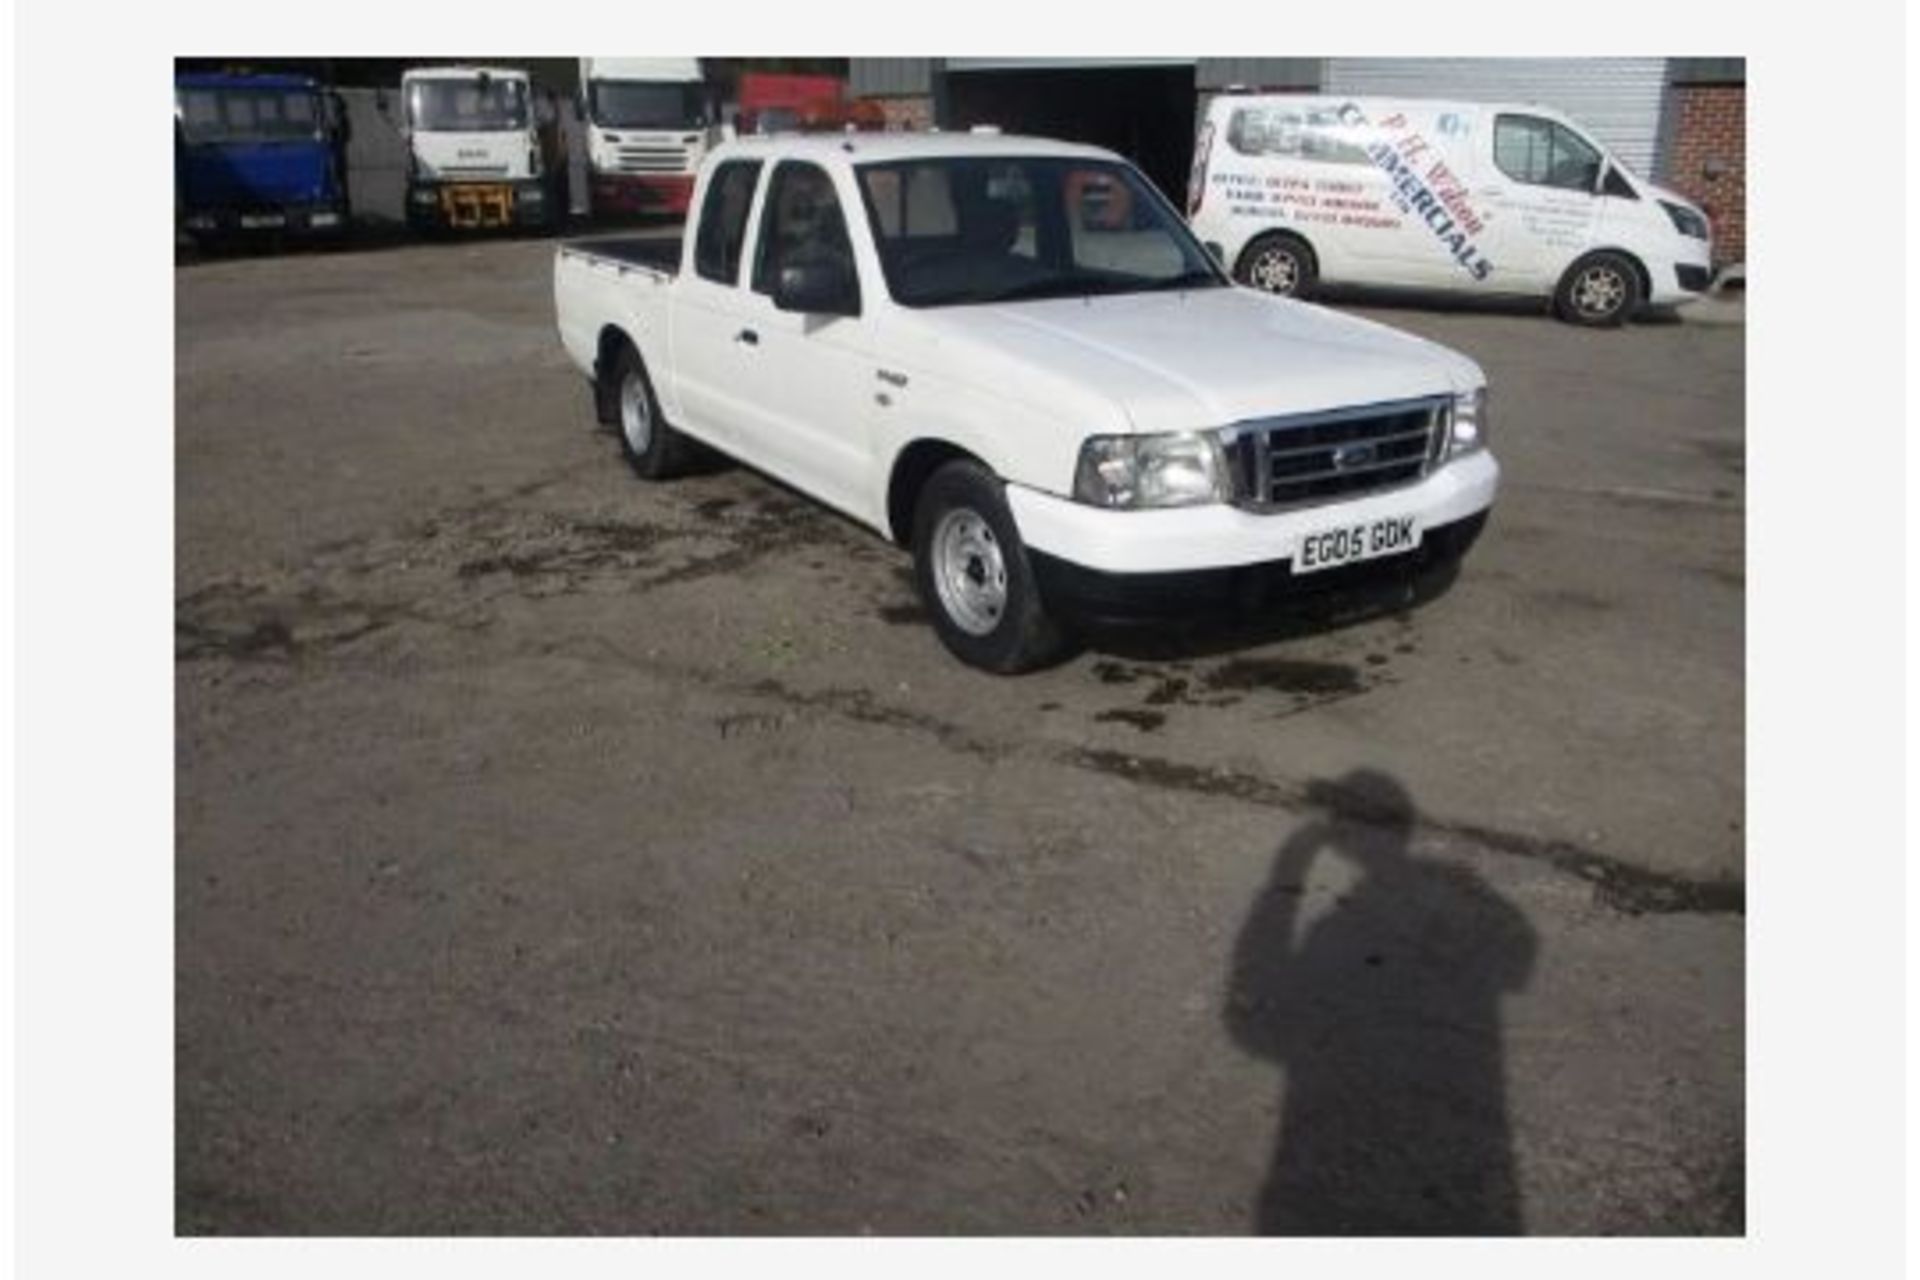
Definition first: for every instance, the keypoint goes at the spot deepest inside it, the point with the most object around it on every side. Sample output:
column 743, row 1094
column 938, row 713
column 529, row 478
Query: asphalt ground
column 561, row 853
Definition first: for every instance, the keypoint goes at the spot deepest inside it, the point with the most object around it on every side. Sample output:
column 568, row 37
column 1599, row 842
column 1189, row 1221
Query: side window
column 801, row 224
column 1544, row 154
column 1522, row 148
column 723, row 221
column 1617, row 185
column 1576, row 164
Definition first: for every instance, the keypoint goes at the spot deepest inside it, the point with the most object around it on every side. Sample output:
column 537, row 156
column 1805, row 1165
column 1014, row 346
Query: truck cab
column 258, row 154
column 482, row 150
column 649, row 123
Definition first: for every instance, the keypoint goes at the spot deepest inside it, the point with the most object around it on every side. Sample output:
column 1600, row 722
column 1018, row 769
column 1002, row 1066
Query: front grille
column 1315, row 457
column 459, row 171
column 651, row 159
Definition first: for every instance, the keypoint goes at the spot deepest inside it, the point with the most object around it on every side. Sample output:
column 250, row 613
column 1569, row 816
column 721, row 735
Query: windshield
column 467, row 106
column 249, row 115
column 981, row 229
column 642, row 104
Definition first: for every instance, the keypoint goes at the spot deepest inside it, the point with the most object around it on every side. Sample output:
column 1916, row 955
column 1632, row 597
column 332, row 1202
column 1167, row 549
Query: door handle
column 747, row 336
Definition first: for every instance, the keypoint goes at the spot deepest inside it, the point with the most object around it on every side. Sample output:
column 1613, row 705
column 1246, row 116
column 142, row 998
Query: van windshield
column 467, row 106
column 970, row 229
column 249, row 115
column 645, row 104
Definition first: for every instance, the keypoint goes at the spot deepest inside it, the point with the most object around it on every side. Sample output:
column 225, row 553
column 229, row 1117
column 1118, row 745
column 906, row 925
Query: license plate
column 262, row 220
column 1352, row 543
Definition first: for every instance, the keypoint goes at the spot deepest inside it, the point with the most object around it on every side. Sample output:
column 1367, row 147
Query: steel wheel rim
column 1599, row 291
column 1275, row 270
column 969, row 571
column 636, row 413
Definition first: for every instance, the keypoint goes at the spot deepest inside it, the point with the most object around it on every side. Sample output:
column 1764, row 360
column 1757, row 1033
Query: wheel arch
column 913, row 465
column 606, row 349
column 1275, row 233
column 1642, row 276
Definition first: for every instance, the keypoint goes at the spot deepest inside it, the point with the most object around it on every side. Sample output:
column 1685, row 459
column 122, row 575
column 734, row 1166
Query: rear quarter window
column 723, row 221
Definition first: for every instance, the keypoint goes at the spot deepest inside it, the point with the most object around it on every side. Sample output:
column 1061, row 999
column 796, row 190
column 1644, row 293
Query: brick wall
column 1708, row 161
column 910, row 114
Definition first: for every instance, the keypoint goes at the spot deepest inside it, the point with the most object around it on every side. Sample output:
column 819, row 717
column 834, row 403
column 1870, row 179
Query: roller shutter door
column 1618, row 99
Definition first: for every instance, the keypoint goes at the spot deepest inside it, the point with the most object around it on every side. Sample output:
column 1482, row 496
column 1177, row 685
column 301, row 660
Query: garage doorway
column 1145, row 113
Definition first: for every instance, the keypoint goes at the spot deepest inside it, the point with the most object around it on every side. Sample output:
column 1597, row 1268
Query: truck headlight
column 1180, row 469
column 1469, row 428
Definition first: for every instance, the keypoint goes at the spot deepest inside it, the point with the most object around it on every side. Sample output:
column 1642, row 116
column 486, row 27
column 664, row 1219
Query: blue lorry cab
column 258, row 154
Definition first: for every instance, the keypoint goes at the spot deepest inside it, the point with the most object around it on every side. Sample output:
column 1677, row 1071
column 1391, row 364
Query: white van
column 1485, row 198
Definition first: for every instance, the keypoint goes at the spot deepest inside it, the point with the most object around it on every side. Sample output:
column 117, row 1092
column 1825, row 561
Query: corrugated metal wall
column 1619, row 99
column 1260, row 73
column 889, row 77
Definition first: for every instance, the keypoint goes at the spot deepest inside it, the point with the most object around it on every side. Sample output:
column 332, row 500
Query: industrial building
column 1680, row 121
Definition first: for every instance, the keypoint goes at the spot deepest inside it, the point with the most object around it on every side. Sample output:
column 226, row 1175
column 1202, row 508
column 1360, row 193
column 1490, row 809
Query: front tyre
column 1278, row 263
column 974, row 576
column 1599, row 291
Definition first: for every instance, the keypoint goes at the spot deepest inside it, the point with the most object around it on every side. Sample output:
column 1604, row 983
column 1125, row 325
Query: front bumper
column 479, row 205
column 1223, row 537
column 1243, row 589
column 298, row 220
column 1210, row 558
column 1682, row 279
column 666, row 193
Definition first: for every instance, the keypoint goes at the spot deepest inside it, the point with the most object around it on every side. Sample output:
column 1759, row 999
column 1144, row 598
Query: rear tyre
column 653, row 449
column 1599, row 291
column 974, row 576
column 1278, row 263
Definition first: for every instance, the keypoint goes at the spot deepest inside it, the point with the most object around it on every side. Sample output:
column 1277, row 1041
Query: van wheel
column 653, row 449
column 974, row 576
column 1599, row 291
column 1278, row 263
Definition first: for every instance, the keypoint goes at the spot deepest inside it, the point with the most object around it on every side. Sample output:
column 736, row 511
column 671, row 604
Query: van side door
column 1541, row 183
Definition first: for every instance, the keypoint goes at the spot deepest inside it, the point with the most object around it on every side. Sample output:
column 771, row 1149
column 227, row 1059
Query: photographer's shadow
column 1385, row 1015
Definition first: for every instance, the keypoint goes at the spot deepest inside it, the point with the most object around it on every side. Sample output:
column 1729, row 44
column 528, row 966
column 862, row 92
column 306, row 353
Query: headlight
column 1183, row 469
column 1686, row 221
column 1469, row 429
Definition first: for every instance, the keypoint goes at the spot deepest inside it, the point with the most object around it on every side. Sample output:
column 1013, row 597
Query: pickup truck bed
column 656, row 253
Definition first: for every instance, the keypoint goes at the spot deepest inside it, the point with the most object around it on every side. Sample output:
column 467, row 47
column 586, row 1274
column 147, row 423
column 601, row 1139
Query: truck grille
column 1316, row 457
column 462, row 171
column 651, row 159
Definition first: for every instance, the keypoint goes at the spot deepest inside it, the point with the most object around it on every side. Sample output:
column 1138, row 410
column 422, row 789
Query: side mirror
column 818, row 289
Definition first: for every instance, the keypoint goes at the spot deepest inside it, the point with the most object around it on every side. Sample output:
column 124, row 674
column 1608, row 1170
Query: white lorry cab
column 649, row 123
column 1012, row 356
column 481, row 150
column 1293, row 191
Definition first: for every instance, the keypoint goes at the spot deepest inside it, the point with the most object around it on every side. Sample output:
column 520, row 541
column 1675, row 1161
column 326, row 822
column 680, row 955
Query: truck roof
column 879, row 148
column 671, row 69
column 243, row 80
column 462, row 73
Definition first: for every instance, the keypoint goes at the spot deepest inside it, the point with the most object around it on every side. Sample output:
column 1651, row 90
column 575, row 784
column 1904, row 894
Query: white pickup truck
column 1011, row 356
